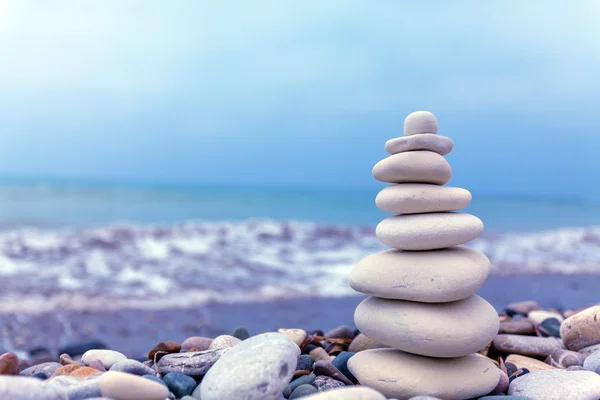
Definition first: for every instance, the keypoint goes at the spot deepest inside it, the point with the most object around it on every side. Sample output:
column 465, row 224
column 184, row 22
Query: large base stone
column 401, row 375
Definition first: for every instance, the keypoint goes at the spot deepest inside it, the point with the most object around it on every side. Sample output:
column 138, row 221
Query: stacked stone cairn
column 422, row 307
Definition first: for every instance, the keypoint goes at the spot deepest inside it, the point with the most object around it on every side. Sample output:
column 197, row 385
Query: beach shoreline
column 133, row 331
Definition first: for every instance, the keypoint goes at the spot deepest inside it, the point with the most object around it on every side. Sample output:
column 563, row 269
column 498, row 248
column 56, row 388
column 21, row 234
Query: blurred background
column 162, row 154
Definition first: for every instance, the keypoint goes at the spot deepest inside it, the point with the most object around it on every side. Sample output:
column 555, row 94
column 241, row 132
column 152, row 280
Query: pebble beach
column 539, row 353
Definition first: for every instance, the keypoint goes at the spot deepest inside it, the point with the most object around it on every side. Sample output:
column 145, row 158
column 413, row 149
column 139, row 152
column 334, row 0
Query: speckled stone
column 413, row 167
column 402, row 375
column 325, row 383
column 258, row 368
column 582, row 329
column 424, row 141
column 430, row 329
column 428, row 231
column 305, row 362
column 435, row 276
column 194, row 364
column 557, row 385
column 586, row 351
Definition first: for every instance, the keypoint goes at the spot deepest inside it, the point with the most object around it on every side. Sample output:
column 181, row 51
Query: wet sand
column 134, row 332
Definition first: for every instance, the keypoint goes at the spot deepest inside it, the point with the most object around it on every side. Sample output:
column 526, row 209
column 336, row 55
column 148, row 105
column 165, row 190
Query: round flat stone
column 420, row 122
column 435, row 276
column 426, row 141
column 428, row 231
column 402, row 375
column 413, row 166
column 431, row 329
column 415, row 198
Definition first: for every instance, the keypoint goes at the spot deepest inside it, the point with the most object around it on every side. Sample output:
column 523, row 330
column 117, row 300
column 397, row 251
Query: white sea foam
column 154, row 266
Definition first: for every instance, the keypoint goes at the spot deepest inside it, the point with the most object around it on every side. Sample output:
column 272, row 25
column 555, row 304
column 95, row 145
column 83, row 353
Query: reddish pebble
column 166, row 347
column 66, row 370
column 85, row 372
column 9, row 364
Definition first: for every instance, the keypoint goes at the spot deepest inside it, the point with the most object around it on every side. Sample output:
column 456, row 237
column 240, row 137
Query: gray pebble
column 303, row 390
column 47, row 368
column 241, row 333
column 132, row 367
column 592, row 362
column 303, row 380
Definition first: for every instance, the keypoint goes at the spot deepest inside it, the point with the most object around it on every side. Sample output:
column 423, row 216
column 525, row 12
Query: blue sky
column 300, row 92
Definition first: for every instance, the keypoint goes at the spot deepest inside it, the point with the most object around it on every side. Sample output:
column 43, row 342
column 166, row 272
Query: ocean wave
column 156, row 266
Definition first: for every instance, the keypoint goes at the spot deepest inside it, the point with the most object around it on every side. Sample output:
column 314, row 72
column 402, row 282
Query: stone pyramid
column 422, row 302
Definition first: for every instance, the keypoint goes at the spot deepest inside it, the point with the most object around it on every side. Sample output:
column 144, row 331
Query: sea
column 155, row 246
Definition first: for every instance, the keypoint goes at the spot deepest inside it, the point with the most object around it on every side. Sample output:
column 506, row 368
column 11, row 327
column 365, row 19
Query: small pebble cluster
column 539, row 354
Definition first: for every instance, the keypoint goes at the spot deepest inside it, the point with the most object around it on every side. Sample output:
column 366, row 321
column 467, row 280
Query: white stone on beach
column 402, row 375
column 428, row 231
column 124, row 386
column 413, row 167
column 429, row 276
column 425, row 141
column 557, row 384
column 431, row 329
column 108, row 358
column 420, row 122
column 415, row 198
column 258, row 368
